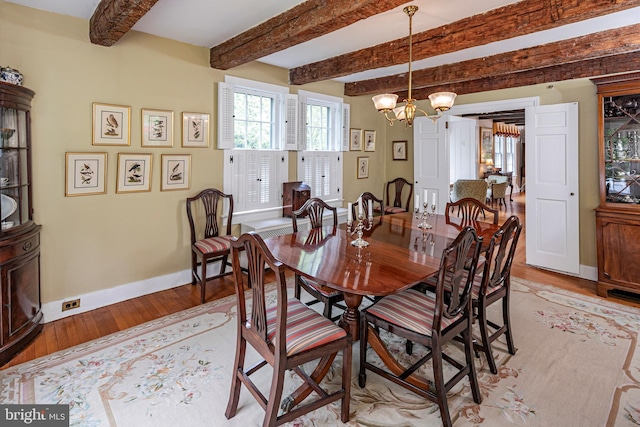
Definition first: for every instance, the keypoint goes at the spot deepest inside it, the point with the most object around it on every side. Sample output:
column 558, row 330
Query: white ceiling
column 208, row 23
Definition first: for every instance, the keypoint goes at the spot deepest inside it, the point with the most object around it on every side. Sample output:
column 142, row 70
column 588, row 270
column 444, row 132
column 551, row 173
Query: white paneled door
column 552, row 202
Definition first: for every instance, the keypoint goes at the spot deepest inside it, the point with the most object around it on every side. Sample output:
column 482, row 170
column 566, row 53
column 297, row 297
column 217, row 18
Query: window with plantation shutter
column 322, row 171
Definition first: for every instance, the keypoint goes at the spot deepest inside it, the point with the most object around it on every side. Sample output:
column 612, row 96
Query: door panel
column 431, row 161
column 552, row 199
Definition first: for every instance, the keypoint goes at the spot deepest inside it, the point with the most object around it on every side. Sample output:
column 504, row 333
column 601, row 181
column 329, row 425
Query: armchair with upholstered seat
column 469, row 188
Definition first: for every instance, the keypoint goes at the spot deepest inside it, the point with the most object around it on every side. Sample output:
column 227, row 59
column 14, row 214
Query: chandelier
column 385, row 103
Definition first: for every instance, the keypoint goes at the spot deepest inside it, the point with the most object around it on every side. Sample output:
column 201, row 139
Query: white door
column 463, row 148
column 431, row 161
column 552, row 211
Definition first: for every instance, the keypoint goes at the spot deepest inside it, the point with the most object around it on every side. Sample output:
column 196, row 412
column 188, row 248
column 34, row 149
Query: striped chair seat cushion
column 214, row 244
column 411, row 310
column 306, row 329
column 393, row 210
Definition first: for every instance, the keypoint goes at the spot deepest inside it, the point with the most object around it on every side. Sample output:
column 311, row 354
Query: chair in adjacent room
column 432, row 321
column 397, row 205
column 470, row 209
column 314, row 209
column 286, row 335
column 208, row 242
column 498, row 192
column 469, row 188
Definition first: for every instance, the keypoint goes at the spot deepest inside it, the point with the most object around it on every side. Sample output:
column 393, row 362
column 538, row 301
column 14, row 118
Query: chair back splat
column 431, row 321
column 366, row 198
column 470, row 209
column 208, row 242
column 314, row 210
column 264, row 327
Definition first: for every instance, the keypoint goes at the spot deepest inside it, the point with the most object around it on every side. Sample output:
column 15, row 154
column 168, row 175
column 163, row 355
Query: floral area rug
column 576, row 365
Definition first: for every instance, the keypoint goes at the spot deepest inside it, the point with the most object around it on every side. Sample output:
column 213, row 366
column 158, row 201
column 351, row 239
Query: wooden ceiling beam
column 113, row 18
column 302, row 23
column 518, row 19
column 589, row 68
column 592, row 46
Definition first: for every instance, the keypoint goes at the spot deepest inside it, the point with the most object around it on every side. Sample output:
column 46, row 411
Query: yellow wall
column 97, row 242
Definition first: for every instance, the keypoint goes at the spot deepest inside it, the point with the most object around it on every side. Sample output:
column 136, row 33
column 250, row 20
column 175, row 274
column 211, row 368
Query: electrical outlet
column 70, row 305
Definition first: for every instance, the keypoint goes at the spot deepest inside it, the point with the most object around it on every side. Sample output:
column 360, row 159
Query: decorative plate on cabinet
column 7, row 206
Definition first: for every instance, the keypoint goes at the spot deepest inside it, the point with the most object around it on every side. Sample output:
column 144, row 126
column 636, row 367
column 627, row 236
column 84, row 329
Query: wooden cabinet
column 294, row 194
column 20, row 306
column 618, row 216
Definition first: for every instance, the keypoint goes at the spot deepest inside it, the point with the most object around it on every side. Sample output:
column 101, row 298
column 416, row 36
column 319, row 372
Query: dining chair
column 367, row 198
column 208, row 243
column 286, row 334
column 314, row 210
column 432, row 320
column 470, row 209
column 493, row 285
column 396, row 206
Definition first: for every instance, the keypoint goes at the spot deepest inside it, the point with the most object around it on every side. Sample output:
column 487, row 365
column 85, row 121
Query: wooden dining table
column 399, row 256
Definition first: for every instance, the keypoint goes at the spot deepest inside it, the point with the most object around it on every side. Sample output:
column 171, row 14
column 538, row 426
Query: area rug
column 576, row 365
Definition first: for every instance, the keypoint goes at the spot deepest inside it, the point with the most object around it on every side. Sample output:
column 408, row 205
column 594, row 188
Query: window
column 504, row 149
column 322, row 171
column 252, row 129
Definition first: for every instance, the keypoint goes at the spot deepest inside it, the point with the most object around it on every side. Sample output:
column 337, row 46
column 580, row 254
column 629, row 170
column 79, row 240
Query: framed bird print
column 176, row 172
column 195, row 130
column 157, row 128
column 134, row 173
column 111, row 124
column 85, row 174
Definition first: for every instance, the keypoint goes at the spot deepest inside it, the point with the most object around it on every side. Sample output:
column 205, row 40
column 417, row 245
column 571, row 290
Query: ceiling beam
column 518, row 19
column 302, row 23
column 113, row 18
column 592, row 46
column 589, row 68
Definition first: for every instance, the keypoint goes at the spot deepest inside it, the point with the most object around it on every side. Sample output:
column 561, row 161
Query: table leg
column 350, row 320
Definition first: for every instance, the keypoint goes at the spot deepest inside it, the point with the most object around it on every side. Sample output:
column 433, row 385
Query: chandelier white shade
column 385, row 103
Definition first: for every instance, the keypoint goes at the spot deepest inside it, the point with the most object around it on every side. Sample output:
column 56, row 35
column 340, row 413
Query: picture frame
column 486, row 145
column 399, row 150
column 363, row 168
column 195, row 130
column 157, row 128
column 369, row 140
column 134, row 173
column 86, row 174
column 111, row 124
column 355, row 140
column 176, row 172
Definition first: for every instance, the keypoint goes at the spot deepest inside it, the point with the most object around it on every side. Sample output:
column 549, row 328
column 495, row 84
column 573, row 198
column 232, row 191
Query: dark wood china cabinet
column 618, row 216
column 20, row 309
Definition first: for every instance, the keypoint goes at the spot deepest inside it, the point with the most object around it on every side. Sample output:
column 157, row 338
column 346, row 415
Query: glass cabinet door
column 14, row 176
column 622, row 148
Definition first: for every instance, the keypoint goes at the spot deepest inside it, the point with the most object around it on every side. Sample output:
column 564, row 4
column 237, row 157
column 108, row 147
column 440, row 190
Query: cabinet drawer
column 21, row 246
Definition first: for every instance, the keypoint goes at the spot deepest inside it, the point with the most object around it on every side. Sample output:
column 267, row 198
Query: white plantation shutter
column 346, row 122
column 302, row 124
column 255, row 178
column 322, row 171
column 291, row 127
column 225, row 115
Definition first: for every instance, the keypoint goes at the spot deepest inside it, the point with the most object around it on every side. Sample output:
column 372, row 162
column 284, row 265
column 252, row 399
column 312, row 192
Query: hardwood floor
column 80, row 328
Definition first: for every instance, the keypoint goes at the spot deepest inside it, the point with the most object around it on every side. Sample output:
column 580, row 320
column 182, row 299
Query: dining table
column 399, row 254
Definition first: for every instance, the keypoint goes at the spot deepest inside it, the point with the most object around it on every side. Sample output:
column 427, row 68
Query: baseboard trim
column 91, row 301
